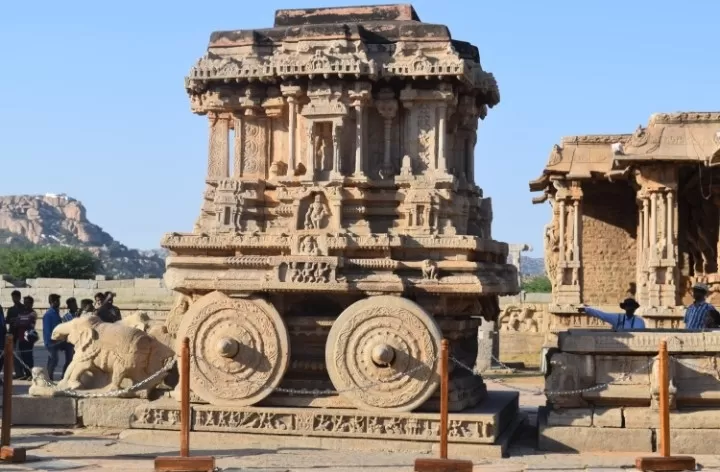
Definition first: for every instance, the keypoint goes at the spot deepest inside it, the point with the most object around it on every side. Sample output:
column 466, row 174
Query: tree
column 539, row 284
column 52, row 262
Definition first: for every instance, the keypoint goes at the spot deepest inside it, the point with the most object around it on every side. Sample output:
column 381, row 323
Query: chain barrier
column 558, row 393
column 329, row 392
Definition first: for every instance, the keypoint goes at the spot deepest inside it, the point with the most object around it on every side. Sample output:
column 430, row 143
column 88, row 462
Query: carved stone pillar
column 336, row 131
column 359, row 140
column 442, row 139
column 567, row 285
column 291, row 93
column 238, row 144
column 657, row 273
column 219, row 150
column 387, row 106
column 360, row 96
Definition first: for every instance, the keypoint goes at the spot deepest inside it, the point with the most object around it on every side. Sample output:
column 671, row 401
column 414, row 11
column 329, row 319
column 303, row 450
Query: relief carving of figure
column 429, row 270
column 316, row 213
column 309, row 246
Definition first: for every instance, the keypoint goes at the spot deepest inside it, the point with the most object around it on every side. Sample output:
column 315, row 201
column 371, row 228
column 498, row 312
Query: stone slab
column 480, row 425
column 42, row 411
column 608, row 417
column 107, row 412
column 694, row 441
column 570, row 417
column 647, row 342
column 706, row 418
column 584, row 439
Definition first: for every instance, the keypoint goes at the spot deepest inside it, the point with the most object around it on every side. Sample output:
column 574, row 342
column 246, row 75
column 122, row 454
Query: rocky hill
column 43, row 220
column 532, row 266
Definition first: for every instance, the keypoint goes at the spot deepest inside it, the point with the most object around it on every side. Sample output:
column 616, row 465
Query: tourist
column 621, row 321
column 108, row 312
column 24, row 332
column 3, row 334
column 87, row 306
column 701, row 314
column 99, row 300
column 11, row 318
column 50, row 321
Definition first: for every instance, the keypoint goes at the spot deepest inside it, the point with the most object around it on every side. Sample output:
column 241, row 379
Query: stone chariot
column 341, row 235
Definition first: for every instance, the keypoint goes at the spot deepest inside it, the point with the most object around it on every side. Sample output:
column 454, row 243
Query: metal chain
column 111, row 393
column 327, row 392
column 557, row 393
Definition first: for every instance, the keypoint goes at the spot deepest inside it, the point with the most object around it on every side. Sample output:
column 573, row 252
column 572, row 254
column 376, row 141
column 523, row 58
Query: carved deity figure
column 315, row 214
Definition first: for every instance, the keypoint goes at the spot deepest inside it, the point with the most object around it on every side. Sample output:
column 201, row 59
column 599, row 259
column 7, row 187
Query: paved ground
column 135, row 450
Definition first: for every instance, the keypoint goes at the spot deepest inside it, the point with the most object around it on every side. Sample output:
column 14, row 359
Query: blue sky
column 93, row 103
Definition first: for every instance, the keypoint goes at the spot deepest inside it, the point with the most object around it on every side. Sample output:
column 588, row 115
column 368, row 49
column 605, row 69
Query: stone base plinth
column 629, row 429
column 483, row 431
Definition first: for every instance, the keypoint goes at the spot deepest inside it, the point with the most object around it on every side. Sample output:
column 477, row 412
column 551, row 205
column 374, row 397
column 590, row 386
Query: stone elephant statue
column 113, row 350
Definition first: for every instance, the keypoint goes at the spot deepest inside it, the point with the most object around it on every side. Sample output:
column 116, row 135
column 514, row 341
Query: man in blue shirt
column 701, row 314
column 51, row 319
column 620, row 322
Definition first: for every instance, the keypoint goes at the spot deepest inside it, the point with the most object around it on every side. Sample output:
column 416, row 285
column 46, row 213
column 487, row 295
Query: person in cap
column 621, row 321
column 701, row 314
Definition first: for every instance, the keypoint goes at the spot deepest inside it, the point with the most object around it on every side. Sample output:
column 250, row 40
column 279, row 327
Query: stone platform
column 484, row 431
column 624, row 416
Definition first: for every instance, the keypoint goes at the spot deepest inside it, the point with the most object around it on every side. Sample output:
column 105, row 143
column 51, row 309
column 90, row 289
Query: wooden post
column 443, row 464
column 665, row 462
column 664, row 400
column 185, row 399
column 8, row 453
column 444, row 359
column 185, row 463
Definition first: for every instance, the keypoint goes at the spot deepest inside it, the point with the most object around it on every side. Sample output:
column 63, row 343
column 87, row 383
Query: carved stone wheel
column 373, row 342
column 239, row 349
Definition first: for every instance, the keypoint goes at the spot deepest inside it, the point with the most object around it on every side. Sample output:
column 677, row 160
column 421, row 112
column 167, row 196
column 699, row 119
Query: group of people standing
column 699, row 315
column 20, row 320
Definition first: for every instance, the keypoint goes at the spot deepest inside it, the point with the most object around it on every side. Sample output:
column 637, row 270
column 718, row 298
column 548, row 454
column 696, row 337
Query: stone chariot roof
column 373, row 42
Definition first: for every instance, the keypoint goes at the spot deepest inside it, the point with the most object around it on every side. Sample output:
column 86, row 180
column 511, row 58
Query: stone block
column 80, row 293
column 59, row 284
column 608, row 417
column 706, row 418
column 108, row 412
column 149, row 283
column 43, row 411
column 694, row 441
column 85, row 284
column 574, row 439
column 115, row 284
column 570, row 417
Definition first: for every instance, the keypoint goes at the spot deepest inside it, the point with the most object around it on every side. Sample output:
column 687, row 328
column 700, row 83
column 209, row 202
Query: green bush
column 51, row 262
column 540, row 284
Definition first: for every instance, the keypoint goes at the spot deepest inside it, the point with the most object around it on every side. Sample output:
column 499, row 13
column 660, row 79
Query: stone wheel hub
column 228, row 347
column 382, row 354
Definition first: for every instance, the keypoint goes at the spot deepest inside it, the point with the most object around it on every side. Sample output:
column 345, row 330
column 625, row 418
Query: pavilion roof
column 681, row 138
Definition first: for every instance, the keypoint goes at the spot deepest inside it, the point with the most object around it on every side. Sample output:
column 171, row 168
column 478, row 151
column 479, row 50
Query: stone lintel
column 359, row 14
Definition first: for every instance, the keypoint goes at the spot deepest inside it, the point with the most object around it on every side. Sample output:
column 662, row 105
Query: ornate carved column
column 336, row 130
column 657, row 272
column 238, row 144
column 310, row 137
column 387, row 106
column 360, row 97
column 291, row 93
column 442, row 139
column 567, row 285
column 219, row 151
